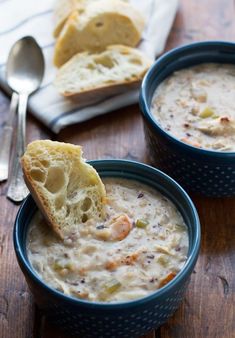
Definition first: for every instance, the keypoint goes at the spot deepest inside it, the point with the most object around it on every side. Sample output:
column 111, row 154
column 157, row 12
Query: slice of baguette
column 67, row 190
column 63, row 9
column 103, row 23
column 87, row 77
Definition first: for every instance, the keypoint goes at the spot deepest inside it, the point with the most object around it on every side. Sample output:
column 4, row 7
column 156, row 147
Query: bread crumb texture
column 66, row 189
column 117, row 65
column 96, row 25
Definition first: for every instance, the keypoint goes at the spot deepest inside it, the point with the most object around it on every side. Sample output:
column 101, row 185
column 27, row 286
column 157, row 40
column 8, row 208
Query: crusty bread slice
column 102, row 23
column 67, row 190
column 88, row 76
column 63, row 9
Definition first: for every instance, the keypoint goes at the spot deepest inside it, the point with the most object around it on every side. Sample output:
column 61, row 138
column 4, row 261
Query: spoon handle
column 17, row 189
column 6, row 139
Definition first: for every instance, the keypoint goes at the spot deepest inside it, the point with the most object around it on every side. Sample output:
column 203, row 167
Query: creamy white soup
column 197, row 106
column 140, row 246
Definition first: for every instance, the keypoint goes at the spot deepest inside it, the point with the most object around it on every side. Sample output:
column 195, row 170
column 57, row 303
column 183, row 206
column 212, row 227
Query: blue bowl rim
column 124, row 304
column 146, row 111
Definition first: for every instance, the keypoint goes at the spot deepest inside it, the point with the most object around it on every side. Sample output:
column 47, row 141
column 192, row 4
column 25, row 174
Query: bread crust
column 34, row 154
column 63, row 9
column 99, row 94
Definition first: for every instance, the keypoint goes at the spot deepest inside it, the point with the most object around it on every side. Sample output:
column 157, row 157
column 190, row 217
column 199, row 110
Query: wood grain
column 208, row 309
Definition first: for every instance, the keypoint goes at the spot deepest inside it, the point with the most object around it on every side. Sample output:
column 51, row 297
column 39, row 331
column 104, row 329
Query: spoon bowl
column 25, row 66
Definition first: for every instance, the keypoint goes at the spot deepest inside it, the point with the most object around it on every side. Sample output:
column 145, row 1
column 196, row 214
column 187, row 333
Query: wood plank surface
column 209, row 307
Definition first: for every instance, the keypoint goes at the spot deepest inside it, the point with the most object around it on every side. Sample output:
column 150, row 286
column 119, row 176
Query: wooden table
column 209, row 307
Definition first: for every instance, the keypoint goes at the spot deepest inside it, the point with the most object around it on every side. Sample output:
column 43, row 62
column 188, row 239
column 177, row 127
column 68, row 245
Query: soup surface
column 141, row 245
column 197, row 106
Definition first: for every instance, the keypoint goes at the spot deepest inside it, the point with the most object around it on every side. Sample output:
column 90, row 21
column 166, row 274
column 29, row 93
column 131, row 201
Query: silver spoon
column 25, row 70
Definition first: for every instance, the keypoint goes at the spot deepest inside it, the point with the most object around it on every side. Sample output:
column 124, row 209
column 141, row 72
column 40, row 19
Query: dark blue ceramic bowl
column 207, row 172
column 124, row 319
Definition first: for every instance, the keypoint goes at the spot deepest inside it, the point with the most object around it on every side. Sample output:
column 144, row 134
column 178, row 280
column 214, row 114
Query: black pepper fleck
column 140, row 195
column 99, row 227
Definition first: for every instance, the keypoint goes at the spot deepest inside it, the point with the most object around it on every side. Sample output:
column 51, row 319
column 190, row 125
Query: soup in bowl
column 108, row 280
column 186, row 101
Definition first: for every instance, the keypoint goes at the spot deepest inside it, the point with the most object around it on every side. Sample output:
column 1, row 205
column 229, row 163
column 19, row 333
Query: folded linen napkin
column 28, row 17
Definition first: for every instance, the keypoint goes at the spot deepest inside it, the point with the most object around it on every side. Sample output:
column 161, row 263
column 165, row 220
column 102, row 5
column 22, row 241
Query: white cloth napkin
column 30, row 17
